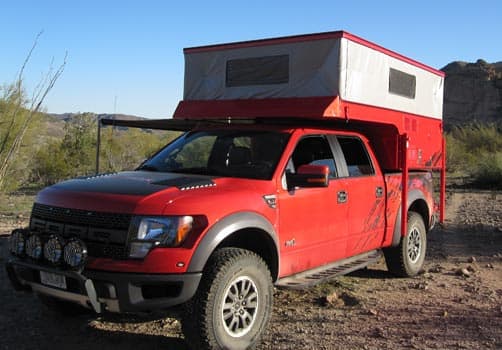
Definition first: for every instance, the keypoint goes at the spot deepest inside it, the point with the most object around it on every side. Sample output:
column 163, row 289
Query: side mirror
column 309, row 176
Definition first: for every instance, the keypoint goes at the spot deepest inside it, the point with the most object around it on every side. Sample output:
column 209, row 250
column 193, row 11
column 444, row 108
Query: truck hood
column 154, row 193
column 122, row 192
column 135, row 183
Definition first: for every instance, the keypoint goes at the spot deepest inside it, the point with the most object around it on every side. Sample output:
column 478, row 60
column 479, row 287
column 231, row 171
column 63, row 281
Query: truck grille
column 106, row 234
column 82, row 217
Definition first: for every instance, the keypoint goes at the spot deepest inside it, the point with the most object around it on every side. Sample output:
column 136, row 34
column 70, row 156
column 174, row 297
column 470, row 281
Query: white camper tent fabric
column 365, row 79
column 323, row 67
column 313, row 71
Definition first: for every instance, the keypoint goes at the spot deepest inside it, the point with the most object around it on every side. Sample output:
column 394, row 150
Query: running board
column 320, row 274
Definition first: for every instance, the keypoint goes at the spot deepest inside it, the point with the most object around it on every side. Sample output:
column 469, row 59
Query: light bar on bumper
column 53, row 250
column 17, row 242
column 75, row 253
column 34, row 247
column 165, row 231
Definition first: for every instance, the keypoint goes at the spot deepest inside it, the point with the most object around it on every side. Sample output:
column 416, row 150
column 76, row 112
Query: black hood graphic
column 140, row 183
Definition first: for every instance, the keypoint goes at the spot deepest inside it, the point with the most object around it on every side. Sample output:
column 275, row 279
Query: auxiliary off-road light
column 75, row 253
column 17, row 242
column 53, row 250
column 34, row 247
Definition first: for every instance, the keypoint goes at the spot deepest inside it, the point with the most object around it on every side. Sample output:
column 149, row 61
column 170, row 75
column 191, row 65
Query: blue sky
column 126, row 56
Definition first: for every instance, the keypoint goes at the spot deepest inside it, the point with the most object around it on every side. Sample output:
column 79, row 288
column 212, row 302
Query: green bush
column 456, row 156
column 126, row 149
column 488, row 173
column 50, row 165
column 75, row 154
column 475, row 151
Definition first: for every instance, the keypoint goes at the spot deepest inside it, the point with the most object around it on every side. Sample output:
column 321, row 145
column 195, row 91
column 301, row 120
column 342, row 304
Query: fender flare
column 223, row 229
column 413, row 196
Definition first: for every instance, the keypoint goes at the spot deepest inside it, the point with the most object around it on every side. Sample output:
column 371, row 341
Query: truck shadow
column 134, row 340
column 373, row 273
column 454, row 243
column 50, row 331
column 457, row 242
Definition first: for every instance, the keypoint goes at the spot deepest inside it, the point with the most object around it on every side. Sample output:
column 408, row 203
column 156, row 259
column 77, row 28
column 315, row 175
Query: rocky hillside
column 473, row 93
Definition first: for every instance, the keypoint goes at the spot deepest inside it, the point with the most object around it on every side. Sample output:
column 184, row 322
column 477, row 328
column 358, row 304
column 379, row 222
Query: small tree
column 18, row 113
column 71, row 156
column 50, row 165
column 79, row 143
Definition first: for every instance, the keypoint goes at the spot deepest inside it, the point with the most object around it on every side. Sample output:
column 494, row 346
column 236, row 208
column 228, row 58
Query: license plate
column 53, row 279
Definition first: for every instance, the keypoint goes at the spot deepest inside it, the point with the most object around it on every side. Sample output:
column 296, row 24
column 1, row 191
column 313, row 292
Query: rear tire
column 407, row 259
column 233, row 304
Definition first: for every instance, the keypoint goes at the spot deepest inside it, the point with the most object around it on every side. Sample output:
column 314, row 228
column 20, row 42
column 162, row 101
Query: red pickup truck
column 289, row 172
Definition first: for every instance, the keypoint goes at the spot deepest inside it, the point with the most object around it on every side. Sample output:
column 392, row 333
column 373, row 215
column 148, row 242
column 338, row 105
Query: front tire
column 233, row 304
column 407, row 259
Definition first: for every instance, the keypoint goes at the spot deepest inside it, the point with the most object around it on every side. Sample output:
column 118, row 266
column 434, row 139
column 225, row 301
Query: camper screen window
column 401, row 83
column 268, row 70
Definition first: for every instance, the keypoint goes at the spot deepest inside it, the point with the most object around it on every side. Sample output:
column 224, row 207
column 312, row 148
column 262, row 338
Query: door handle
column 379, row 192
column 342, row 196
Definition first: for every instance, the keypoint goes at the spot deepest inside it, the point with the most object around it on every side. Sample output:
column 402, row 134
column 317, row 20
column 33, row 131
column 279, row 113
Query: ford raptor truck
column 301, row 158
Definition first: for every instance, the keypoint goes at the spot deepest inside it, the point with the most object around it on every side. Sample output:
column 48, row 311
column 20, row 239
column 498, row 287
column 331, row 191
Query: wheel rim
column 240, row 306
column 414, row 245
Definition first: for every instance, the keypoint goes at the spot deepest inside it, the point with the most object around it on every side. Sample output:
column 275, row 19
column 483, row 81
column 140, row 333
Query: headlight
column 168, row 231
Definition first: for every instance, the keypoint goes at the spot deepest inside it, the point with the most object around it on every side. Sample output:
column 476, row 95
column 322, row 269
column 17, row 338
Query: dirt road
column 455, row 303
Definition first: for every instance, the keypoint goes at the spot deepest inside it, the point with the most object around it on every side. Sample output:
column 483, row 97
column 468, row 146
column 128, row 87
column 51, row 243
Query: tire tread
column 196, row 322
column 395, row 256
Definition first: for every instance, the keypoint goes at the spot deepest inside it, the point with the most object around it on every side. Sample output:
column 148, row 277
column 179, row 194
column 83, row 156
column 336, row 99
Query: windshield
column 233, row 153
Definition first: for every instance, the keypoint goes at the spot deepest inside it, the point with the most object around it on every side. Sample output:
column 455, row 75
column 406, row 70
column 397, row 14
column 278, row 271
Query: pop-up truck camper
column 302, row 158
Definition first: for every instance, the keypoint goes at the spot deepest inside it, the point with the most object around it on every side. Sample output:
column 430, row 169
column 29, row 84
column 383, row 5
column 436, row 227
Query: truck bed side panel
column 419, row 189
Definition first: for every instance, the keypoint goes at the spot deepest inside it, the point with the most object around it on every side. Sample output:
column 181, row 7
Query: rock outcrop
column 473, row 93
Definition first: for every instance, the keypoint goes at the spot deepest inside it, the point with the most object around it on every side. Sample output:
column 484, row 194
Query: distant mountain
column 472, row 93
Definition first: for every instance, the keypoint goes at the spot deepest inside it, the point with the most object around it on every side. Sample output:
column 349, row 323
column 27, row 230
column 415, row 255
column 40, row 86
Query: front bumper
column 107, row 291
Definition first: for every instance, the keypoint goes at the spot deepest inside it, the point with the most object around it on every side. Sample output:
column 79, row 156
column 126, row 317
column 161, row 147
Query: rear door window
column 356, row 156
